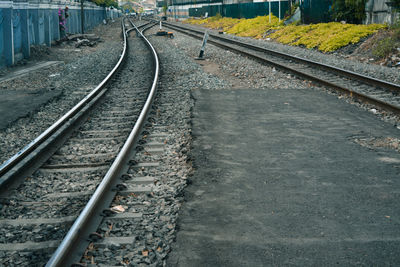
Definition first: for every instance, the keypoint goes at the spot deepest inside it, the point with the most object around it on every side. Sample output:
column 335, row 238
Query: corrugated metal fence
column 241, row 10
column 315, row 11
column 23, row 24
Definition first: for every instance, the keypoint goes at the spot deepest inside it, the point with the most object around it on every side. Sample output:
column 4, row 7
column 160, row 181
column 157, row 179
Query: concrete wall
column 379, row 12
column 36, row 22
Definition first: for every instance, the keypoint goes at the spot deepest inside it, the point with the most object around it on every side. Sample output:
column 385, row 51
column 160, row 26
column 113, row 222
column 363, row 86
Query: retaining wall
column 26, row 23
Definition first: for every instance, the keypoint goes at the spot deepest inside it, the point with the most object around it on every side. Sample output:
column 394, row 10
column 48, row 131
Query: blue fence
column 315, row 11
column 182, row 9
column 1, row 34
column 241, row 10
column 23, row 24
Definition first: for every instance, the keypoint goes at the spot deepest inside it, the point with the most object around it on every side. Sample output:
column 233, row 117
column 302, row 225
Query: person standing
column 62, row 20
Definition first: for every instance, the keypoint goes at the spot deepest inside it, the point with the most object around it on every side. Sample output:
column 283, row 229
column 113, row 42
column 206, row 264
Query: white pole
column 269, row 1
column 279, row 11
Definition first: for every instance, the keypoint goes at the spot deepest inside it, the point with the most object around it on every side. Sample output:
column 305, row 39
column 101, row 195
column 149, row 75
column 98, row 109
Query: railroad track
column 67, row 172
column 383, row 94
column 139, row 227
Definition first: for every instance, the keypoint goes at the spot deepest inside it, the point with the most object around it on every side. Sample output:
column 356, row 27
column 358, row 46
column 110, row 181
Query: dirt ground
column 363, row 51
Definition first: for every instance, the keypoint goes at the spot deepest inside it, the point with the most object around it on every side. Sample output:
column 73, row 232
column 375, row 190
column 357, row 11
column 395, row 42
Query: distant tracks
column 383, row 94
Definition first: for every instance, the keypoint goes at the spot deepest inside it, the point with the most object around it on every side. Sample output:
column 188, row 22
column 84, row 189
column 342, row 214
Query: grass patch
column 388, row 45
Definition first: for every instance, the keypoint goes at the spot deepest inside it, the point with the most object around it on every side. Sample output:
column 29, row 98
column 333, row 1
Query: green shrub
column 352, row 11
column 384, row 47
column 388, row 45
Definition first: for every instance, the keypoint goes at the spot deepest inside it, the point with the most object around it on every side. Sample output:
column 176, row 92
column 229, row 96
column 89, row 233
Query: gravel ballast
column 80, row 74
column 334, row 59
column 242, row 72
column 181, row 74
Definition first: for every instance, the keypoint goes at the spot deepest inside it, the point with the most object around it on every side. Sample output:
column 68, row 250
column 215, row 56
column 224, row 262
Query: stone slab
column 18, row 222
column 22, row 71
column 15, row 104
column 30, row 246
column 146, row 164
column 136, row 190
column 142, row 180
column 113, row 240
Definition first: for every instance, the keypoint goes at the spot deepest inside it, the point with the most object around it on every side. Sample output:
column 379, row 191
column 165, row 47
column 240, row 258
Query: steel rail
column 143, row 25
column 64, row 255
column 349, row 92
column 35, row 143
column 346, row 73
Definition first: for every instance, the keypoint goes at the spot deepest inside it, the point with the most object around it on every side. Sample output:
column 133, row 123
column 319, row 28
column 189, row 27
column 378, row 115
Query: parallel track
column 70, row 176
column 383, row 94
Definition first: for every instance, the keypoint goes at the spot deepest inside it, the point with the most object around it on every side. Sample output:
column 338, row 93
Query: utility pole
column 279, row 16
column 269, row 1
column 82, row 18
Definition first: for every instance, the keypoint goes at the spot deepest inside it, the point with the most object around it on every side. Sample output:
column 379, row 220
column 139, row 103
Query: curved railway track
column 383, row 94
column 47, row 184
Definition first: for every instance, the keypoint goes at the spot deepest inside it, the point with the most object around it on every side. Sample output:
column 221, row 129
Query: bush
column 352, row 11
column 215, row 18
column 292, row 9
column 384, row 48
column 396, row 29
column 396, row 4
column 388, row 45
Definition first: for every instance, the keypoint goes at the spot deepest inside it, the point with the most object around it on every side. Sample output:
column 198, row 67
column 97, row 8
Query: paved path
column 15, row 104
column 20, row 71
column 18, row 103
column 280, row 181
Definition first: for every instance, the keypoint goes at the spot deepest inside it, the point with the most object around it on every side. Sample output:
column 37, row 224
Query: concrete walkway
column 280, row 180
column 18, row 103
column 20, row 71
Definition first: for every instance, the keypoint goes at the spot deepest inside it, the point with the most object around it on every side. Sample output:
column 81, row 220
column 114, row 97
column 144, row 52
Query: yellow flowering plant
column 326, row 37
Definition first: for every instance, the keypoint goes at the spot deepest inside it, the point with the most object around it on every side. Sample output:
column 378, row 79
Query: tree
column 396, row 4
column 165, row 8
column 352, row 11
column 128, row 7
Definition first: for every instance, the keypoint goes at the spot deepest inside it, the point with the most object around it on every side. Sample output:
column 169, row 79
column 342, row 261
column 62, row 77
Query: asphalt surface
column 19, row 103
column 280, row 180
column 15, row 104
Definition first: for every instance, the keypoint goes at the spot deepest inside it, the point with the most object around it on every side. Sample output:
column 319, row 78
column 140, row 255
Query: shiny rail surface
column 374, row 91
column 70, row 250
